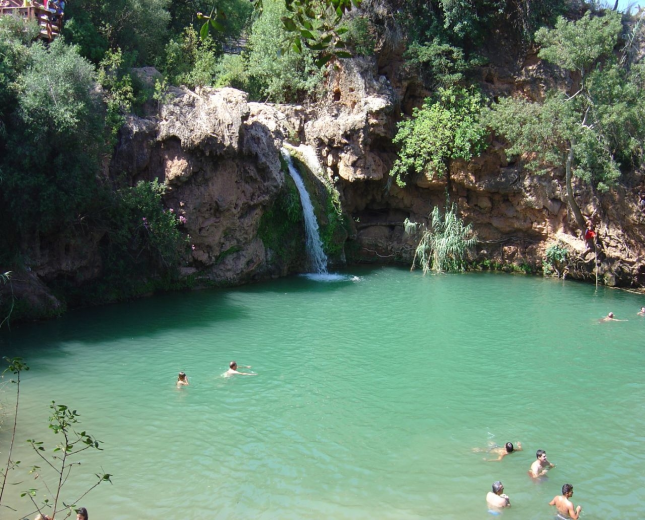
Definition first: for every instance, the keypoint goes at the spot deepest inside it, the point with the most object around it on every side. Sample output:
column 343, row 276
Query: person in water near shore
column 81, row 512
column 609, row 317
column 564, row 504
column 502, row 451
column 541, row 465
column 182, row 380
column 641, row 312
column 232, row 370
column 496, row 498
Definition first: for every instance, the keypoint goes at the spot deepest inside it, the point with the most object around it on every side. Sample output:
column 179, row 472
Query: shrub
column 447, row 127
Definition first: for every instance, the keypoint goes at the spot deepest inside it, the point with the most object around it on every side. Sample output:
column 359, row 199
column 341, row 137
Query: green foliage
column 273, row 74
column 439, row 64
column 63, row 422
column 231, row 71
column 444, row 244
column 592, row 131
column 190, row 61
column 143, row 238
column 117, row 86
column 555, row 259
column 577, row 46
column 280, row 223
column 231, row 16
column 447, row 127
column 137, row 27
column 315, row 25
column 360, row 36
column 334, row 232
column 52, row 140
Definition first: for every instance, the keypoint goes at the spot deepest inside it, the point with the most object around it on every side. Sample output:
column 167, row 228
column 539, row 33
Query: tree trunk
column 570, row 198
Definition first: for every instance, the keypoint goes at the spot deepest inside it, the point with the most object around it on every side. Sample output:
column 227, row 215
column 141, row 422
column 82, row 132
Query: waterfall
column 315, row 253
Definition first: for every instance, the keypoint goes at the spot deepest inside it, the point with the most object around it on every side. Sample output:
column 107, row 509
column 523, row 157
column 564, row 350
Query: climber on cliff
column 590, row 235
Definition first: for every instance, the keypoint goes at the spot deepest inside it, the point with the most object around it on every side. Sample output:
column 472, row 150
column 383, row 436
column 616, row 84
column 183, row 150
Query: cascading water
column 317, row 257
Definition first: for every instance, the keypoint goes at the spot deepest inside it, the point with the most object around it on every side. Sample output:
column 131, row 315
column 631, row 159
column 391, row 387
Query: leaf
column 297, row 45
column 342, row 30
column 217, row 26
column 289, row 24
column 317, row 46
column 323, row 60
column 343, row 54
column 203, row 32
column 307, row 34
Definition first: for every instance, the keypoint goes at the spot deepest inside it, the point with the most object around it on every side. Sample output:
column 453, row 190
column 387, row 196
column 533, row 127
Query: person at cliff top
column 232, row 370
column 182, row 380
column 497, row 498
column 507, row 449
column 610, row 317
column 642, row 311
column 564, row 505
column 541, row 465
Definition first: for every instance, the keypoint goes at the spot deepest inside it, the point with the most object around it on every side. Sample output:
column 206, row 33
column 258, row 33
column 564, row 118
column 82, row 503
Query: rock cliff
column 219, row 156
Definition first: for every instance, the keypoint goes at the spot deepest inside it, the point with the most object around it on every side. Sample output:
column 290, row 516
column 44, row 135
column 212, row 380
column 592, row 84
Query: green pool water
column 371, row 392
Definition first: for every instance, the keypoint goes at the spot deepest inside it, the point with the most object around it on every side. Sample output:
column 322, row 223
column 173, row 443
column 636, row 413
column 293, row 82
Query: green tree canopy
column 594, row 129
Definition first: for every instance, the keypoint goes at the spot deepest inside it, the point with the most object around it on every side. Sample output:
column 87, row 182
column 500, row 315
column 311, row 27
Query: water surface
column 372, row 389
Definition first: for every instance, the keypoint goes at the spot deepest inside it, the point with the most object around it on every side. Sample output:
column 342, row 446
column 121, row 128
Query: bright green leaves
column 446, row 127
column 579, row 45
column 214, row 20
column 315, row 25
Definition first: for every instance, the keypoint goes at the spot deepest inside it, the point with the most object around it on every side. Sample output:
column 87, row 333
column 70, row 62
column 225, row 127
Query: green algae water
column 371, row 392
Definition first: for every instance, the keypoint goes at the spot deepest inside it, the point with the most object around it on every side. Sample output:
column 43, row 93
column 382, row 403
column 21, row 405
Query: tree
column 446, row 127
column 593, row 129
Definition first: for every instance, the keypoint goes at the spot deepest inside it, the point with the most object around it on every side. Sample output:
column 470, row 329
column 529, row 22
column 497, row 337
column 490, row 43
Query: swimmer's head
column 182, row 375
column 81, row 512
column 610, row 315
column 566, row 489
column 232, row 365
column 498, row 487
column 540, row 454
column 509, row 447
column 642, row 309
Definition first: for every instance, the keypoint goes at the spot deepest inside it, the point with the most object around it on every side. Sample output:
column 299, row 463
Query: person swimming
column 641, row 312
column 232, row 370
column 182, row 380
column 500, row 451
column 609, row 317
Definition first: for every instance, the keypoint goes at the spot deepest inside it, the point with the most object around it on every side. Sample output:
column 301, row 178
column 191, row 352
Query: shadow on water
column 147, row 317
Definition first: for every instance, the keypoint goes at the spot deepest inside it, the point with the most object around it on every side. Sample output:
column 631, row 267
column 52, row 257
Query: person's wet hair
column 566, row 489
column 232, row 364
column 497, row 487
column 509, row 447
column 82, row 511
column 182, row 375
column 539, row 453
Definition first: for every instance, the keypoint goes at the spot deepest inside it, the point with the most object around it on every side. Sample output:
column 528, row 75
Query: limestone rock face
column 219, row 157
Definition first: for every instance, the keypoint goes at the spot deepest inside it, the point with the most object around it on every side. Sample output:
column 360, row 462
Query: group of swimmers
column 497, row 499
column 182, row 378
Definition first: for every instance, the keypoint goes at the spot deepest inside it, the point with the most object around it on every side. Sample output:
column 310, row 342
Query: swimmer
column 496, row 498
column 81, row 512
column 564, row 505
column 541, row 465
column 507, row 449
column 182, row 380
column 641, row 312
column 233, row 370
column 43, row 517
column 609, row 317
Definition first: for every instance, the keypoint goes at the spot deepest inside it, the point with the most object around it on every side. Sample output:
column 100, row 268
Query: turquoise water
column 370, row 395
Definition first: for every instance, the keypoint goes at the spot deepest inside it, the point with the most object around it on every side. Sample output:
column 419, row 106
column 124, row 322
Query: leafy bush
column 444, row 244
column 448, row 126
column 360, row 36
column 276, row 75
